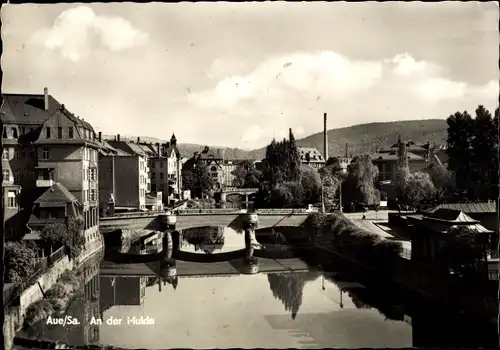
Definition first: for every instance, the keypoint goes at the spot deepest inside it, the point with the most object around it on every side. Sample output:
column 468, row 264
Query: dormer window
column 70, row 132
column 14, row 133
column 47, row 133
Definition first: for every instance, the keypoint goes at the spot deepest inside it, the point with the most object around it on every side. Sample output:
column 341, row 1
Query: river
column 298, row 309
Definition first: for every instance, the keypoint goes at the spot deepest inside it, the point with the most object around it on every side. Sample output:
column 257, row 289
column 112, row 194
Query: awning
column 32, row 236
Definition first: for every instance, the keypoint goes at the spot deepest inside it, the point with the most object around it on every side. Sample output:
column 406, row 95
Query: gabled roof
column 126, row 148
column 468, row 208
column 313, row 152
column 56, row 194
column 393, row 156
column 27, row 108
column 449, row 215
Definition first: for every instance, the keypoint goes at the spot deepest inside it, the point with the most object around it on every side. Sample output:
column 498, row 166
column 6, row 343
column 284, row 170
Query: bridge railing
column 281, row 211
column 210, row 211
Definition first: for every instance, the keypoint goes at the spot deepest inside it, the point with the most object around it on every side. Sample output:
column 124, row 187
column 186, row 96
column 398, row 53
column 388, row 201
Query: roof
column 469, row 208
column 27, row 108
column 315, row 155
column 125, row 148
column 56, row 194
column 208, row 153
column 410, row 147
column 450, row 215
column 393, row 156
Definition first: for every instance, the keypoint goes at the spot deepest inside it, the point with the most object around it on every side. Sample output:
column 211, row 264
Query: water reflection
column 293, row 310
column 289, row 288
column 208, row 239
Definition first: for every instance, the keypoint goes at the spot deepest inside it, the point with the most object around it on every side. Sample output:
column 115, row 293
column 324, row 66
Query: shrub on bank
column 56, row 299
column 20, row 261
column 352, row 241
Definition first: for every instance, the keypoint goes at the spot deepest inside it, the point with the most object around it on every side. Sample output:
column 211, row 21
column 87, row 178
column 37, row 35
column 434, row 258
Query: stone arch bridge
column 150, row 221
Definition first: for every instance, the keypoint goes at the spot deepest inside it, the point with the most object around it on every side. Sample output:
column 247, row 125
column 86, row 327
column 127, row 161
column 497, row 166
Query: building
column 229, row 166
column 126, row 192
column 118, row 291
column 166, row 167
column 43, row 144
column 312, row 157
column 67, row 152
column 214, row 161
column 387, row 164
column 428, row 232
column 55, row 205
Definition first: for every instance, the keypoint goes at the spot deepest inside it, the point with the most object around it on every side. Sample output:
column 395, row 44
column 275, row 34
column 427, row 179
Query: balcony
column 44, row 183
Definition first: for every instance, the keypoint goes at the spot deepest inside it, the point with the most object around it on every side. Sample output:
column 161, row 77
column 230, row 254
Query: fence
column 15, row 289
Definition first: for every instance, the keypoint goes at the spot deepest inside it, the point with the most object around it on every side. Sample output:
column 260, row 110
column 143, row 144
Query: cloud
column 78, row 30
column 285, row 91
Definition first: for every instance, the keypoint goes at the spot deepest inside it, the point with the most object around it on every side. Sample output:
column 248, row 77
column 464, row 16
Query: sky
column 239, row 74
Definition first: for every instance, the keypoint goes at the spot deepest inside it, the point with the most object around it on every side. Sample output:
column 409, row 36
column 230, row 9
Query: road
column 370, row 224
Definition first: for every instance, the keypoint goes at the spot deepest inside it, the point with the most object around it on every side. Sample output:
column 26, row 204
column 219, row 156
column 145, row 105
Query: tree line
column 286, row 181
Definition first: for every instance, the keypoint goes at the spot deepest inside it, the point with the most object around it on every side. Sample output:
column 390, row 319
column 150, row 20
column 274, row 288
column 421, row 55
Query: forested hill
column 365, row 138
column 361, row 138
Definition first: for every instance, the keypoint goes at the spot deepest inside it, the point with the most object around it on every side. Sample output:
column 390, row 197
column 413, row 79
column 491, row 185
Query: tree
column 460, row 132
column 283, row 158
column 246, row 176
column 418, row 187
column 20, row 262
column 311, row 184
column 359, row 185
column 483, row 141
column 331, row 185
column 461, row 248
column 402, row 168
column 197, row 179
column 281, row 196
column 442, row 178
column 69, row 234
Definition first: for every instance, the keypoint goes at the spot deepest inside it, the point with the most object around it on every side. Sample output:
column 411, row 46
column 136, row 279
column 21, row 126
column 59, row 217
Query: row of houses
column 55, row 165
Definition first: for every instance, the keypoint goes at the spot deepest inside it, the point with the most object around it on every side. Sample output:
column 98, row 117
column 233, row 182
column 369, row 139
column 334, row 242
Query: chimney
column 46, row 98
column 138, row 139
column 100, row 136
column 118, row 137
column 325, row 137
column 289, row 134
column 158, row 150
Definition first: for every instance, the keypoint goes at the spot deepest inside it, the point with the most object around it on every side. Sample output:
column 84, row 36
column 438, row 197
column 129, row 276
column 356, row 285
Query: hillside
column 361, row 138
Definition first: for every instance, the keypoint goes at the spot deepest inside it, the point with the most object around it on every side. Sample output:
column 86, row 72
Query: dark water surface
column 312, row 309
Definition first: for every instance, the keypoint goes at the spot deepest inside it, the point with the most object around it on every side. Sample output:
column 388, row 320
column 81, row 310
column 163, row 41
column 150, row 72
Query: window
column 5, row 154
column 16, row 176
column 70, row 132
column 59, row 132
column 161, row 176
column 23, row 130
column 12, row 200
column 6, row 175
column 93, row 195
column 17, row 153
column 153, row 176
column 45, row 152
column 14, row 132
column 47, row 133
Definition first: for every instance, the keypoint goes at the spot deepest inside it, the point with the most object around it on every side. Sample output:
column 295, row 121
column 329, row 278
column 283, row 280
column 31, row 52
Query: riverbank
column 15, row 314
column 381, row 258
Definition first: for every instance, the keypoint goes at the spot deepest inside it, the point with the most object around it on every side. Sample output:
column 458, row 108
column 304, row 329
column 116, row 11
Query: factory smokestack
column 325, row 138
column 346, row 150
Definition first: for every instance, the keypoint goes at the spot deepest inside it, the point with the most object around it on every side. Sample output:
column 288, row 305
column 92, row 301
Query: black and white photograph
column 248, row 175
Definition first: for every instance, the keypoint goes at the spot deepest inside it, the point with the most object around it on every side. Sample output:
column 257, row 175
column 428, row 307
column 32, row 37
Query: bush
column 69, row 234
column 56, row 299
column 353, row 241
column 20, row 262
